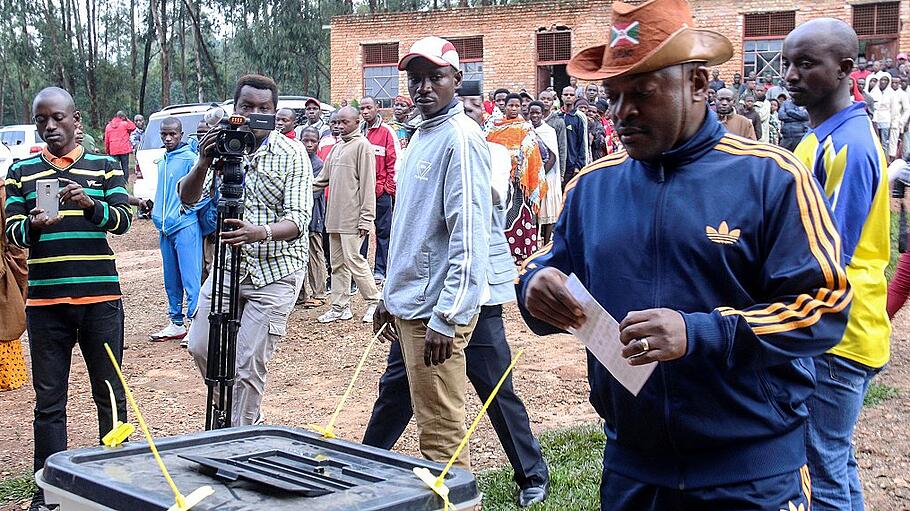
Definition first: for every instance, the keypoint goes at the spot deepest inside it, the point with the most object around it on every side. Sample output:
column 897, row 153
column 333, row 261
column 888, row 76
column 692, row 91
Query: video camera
column 233, row 143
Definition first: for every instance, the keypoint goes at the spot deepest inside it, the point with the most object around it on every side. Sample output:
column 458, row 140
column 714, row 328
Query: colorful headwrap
column 403, row 99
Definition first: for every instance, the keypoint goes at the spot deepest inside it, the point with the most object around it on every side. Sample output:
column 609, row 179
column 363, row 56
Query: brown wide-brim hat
column 648, row 37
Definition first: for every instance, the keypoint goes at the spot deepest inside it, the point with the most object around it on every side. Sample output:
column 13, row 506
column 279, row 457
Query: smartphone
column 48, row 199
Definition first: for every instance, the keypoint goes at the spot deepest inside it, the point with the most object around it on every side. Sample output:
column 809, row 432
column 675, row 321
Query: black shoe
column 38, row 504
column 531, row 495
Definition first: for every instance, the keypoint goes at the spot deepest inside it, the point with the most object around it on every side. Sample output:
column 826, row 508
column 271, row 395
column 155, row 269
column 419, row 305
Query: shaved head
column 818, row 58
column 348, row 112
column 348, row 120
column 831, row 35
column 55, row 116
column 55, row 94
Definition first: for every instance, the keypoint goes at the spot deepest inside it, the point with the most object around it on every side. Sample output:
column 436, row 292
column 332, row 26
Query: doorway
column 552, row 75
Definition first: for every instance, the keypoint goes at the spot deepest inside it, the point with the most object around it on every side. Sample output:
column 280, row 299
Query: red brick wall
column 509, row 33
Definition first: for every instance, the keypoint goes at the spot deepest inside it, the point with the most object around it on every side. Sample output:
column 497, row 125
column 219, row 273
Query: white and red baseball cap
column 435, row 49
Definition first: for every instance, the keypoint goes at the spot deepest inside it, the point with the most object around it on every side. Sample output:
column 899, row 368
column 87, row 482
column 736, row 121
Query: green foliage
column 878, row 393
column 575, row 456
column 17, row 488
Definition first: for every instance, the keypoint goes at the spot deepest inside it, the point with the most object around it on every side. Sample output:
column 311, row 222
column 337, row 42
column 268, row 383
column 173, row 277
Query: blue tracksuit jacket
column 167, row 213
column 736, row 236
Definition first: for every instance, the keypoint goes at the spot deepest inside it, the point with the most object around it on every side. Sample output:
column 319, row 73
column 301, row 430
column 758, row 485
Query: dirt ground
column 314, row 362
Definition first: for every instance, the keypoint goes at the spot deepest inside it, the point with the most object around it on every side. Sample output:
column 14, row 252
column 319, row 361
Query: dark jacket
column 794, row 120
column 725, row 231
column 317, row 220
column 576, row 142
column 755, row 118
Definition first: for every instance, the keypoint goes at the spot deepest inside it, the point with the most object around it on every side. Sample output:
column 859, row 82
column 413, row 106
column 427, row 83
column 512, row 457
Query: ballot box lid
column 254, row 468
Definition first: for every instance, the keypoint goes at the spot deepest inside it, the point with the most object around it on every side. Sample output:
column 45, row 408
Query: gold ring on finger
column 645, row 346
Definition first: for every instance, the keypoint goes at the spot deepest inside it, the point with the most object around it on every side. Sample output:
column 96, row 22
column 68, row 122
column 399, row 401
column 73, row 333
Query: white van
column 152, row 149
column 22, row 140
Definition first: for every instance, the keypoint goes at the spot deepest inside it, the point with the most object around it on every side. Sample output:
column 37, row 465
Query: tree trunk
column 146, row 57
column 133, row 102
column 163, row 46
column 203, row 48
column 182, row 27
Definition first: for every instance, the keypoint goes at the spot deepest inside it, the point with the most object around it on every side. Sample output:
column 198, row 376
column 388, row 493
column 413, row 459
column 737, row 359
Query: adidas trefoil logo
column 722, row 235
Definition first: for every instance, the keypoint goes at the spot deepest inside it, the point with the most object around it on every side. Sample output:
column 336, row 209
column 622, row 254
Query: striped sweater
column 71, row 261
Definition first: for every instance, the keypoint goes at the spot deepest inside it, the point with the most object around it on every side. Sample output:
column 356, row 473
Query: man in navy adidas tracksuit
column 720, row 258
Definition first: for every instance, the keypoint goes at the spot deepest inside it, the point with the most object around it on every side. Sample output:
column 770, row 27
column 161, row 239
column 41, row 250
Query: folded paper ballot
column 600, row 334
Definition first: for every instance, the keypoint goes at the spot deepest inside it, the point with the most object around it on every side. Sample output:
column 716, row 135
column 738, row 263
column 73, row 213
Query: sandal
column 313, row 303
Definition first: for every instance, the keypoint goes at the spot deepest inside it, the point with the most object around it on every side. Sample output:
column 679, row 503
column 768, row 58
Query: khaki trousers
column 264, row 315
column 347, row 263
column 316, row 273
column 437, row 392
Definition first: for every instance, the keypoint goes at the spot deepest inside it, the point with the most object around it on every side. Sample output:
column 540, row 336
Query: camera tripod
column 224, row 316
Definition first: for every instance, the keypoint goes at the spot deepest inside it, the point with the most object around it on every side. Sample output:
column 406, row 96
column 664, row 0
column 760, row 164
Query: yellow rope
column 180, row 499
column 328, row 430
column 438, row 485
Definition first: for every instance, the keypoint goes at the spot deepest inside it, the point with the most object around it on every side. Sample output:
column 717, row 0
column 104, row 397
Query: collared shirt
column 62, row 162
column 278, row 185
column 848, row 161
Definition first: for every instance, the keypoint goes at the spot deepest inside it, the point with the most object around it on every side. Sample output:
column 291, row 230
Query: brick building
column 527, row 45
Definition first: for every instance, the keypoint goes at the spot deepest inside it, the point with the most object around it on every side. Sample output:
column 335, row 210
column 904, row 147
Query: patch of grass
column 878, row 393
column 895, row 219
column 17, row 488
column 575, row 457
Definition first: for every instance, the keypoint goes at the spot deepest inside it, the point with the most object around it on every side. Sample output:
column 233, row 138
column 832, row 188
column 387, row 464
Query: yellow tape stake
column 181, row 503
column 329, row 430
column 120, row 432
column 438, row 484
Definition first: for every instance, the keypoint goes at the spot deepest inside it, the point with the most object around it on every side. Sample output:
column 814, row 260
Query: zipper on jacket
column 663, row 182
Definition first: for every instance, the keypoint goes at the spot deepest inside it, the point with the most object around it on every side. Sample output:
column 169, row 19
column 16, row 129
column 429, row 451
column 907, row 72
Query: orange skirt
column 12, row 365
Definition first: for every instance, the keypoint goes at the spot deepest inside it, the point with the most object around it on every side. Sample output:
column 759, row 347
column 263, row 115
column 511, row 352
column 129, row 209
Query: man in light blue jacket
column 487, row 355
column 180, row 236
column 439, row 248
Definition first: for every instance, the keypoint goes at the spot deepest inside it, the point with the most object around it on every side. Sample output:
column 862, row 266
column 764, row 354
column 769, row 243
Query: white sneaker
column 334, row 314
column 368, row 316
column 171, row 331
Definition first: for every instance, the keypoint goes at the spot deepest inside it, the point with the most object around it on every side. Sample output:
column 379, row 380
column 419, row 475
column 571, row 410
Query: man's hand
column 381, row 317
column 38, row 220
column 362, row 232
column 74, row 193
column 242, row 232
column 661, row 331
column 207, row 148
column 437, row 348
column 547, row 299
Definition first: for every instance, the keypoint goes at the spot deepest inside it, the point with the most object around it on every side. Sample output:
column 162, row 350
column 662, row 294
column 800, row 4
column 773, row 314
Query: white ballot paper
column 600, row 334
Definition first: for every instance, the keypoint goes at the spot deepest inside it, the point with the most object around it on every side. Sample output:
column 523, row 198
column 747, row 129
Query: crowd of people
column 727, row 227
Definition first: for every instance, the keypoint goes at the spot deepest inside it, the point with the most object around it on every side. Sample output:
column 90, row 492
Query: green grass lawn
column 575, row 457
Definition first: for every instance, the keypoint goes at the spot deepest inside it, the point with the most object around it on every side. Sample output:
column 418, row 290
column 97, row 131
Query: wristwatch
column 268, row 233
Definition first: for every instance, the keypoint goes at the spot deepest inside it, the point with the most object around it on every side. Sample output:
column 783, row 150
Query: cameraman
column 277, row 200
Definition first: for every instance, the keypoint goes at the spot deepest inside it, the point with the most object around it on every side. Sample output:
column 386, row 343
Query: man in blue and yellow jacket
column 846, row 157
column 719, row 255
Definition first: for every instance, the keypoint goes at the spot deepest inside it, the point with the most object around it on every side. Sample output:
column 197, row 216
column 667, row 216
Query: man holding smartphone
column 73, row 287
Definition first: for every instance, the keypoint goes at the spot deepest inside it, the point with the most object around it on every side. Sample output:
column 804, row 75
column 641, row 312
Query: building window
column 470, row 53
column 763, row 38
column 380, row 72
column 554, row 47
column 877, row 26
column 881, row 19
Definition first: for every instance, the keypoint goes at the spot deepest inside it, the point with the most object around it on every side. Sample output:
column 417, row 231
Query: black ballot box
column 250, row 468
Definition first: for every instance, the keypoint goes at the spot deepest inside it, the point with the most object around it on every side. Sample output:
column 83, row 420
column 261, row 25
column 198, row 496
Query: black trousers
column 487, row 355
column 53, row 331
column 124, row 160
